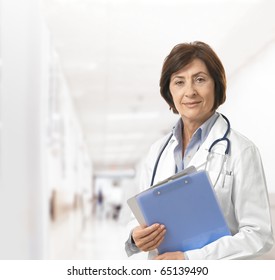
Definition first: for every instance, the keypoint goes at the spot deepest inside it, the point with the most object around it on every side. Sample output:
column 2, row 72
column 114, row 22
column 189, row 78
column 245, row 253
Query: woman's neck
column 188, row 131
column 189, row 128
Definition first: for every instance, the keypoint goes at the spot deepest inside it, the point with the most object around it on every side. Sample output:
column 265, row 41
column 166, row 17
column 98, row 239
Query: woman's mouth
column 192, row 104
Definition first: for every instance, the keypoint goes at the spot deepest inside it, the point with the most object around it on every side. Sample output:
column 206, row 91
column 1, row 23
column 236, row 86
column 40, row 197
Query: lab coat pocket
column 223, row 189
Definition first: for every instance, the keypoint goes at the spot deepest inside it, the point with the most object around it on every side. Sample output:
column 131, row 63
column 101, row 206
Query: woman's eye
column 200, row 79
column 179, row 83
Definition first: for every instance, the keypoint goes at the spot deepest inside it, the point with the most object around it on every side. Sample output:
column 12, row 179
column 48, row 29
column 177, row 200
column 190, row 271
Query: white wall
column 24, row 80
column 70, row 167
column 31, row 124
column 250, row 105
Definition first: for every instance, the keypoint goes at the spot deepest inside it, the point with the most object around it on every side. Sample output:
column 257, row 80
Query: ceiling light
column 132, row 116
column 120, row 149
column 92, row 66
column 56, row 116
column 124, row 136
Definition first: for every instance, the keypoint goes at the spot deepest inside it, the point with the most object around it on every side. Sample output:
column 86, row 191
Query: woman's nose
column 190, row 90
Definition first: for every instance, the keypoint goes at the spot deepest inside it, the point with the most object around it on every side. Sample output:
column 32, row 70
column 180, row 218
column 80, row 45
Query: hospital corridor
column 96, row 238
column 94, row 230
column 91, row 239
column 83, row 96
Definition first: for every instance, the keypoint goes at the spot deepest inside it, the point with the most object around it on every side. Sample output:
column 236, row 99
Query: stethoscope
column 224, row 138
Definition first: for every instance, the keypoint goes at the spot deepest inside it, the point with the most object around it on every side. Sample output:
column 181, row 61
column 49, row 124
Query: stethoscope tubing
column 158, row 158
column 224, row 138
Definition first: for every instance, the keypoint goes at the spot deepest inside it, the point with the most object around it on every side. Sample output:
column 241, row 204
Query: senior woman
column 193, row 83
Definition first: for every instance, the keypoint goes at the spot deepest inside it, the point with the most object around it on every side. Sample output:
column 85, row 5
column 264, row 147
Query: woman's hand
column 170, row 256
column 148, row 238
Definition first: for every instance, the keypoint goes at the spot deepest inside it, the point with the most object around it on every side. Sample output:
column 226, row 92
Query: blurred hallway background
column 80, row 107
column 101, row 237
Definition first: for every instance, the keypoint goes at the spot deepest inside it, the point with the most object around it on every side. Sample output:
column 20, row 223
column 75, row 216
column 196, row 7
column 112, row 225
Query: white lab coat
column 241, row 190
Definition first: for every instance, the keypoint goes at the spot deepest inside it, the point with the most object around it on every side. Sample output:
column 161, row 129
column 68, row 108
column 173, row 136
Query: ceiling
column 111, row 53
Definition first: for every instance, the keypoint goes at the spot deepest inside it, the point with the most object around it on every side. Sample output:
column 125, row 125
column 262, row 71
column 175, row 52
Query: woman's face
column 193, row 92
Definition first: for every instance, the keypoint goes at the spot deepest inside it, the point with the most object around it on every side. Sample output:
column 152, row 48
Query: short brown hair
column 183, row 54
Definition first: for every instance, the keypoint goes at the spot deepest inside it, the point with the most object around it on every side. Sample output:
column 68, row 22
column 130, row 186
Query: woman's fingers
column 148, row 238
column 155, row 243
column 178, row 255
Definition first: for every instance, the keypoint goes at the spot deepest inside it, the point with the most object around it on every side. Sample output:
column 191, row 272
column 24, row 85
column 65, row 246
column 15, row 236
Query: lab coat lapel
column 168, row 169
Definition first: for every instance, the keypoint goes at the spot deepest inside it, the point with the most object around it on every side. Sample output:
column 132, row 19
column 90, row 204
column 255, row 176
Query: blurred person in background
column 193, row 83
column 100, row 204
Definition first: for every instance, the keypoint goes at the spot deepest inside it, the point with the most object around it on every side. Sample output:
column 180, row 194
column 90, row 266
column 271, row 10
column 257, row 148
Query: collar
column 202, row 132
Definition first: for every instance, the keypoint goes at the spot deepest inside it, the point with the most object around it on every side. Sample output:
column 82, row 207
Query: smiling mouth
column 192, row 104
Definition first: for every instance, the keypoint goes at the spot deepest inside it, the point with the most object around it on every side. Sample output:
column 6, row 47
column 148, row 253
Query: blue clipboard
column 187, row 206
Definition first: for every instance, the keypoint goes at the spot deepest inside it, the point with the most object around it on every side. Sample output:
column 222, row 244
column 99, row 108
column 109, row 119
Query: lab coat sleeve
column 253, row 232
